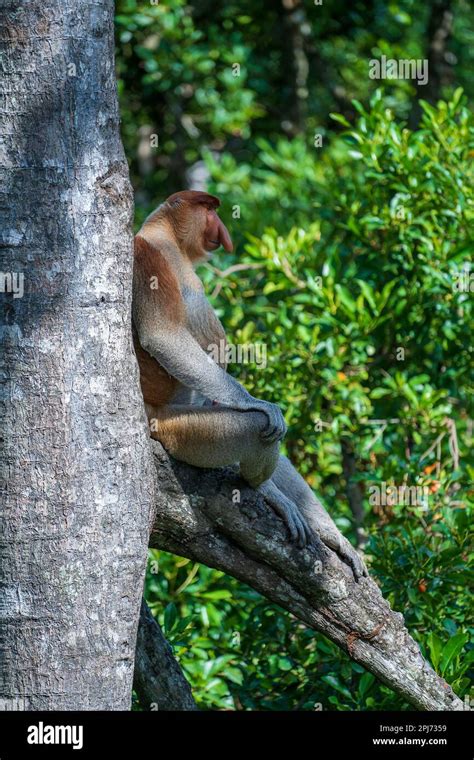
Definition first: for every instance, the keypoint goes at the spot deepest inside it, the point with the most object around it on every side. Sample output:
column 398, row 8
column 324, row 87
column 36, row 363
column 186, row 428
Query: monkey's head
column 196, row 224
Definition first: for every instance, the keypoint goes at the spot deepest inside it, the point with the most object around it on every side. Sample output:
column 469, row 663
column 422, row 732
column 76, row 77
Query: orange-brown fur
column 157, row 276
column 158, row 387
column 151, row 267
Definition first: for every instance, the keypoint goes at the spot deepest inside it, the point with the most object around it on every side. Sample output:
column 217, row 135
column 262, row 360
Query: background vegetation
column 352, row 209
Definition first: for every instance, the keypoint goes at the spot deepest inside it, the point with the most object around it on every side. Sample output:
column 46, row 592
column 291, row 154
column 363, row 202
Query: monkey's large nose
column 224, row 237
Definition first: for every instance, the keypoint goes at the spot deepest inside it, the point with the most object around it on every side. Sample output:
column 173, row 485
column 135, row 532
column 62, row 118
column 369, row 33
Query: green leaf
column 368, row 294
column 380, row 392
column 366, row 683
column 340, row 119
column 435, row 646
column 170, row 617
column 452, row 649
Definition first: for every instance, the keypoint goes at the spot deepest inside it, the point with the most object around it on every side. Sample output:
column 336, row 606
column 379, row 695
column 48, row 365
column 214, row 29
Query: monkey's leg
column 213, row 436
column 288, row 480
column 218, row 436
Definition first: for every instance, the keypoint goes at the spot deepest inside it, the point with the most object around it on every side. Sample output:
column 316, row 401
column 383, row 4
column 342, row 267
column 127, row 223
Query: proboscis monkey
column 199, row 412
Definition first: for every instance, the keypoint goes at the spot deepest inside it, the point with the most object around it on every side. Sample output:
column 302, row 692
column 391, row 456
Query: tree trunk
column 438, row 33
column 77, row 508
column 295, row 62
column 355, row 496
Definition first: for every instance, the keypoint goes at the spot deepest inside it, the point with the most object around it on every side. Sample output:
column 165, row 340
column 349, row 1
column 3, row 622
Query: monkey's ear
column 196, row 197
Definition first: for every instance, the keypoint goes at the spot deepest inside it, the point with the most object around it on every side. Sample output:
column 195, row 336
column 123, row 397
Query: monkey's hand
column 276, row 428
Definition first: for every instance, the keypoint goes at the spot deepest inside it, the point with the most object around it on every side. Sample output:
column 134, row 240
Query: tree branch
column 197, row 518
column 158, row 678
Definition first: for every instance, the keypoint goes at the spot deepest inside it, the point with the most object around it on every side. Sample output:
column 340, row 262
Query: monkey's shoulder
column 151, row 262
column 154, row 277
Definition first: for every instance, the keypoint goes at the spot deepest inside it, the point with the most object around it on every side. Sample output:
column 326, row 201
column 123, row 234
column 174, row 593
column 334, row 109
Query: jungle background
column 350, row 203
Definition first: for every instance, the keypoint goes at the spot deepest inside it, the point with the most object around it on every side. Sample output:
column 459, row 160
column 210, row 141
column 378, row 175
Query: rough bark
column 159, row 680
column 197, row 518
column 77, row 509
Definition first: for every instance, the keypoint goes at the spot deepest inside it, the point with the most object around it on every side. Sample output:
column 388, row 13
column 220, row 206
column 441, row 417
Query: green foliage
column 364, row 298
column 177, row 78
column 240, row 652
column 334, row 302
column 355, row 283
column 422, row 565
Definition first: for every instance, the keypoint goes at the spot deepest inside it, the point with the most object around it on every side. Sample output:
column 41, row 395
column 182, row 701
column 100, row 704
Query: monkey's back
column 158, row 387
column 153, row 278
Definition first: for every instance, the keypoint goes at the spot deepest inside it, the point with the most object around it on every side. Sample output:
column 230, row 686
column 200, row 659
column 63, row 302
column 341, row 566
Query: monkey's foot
column 343, row 548
column 300, row 532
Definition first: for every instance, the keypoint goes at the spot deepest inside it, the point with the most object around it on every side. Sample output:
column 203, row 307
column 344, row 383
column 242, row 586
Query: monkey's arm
column 175, row 349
